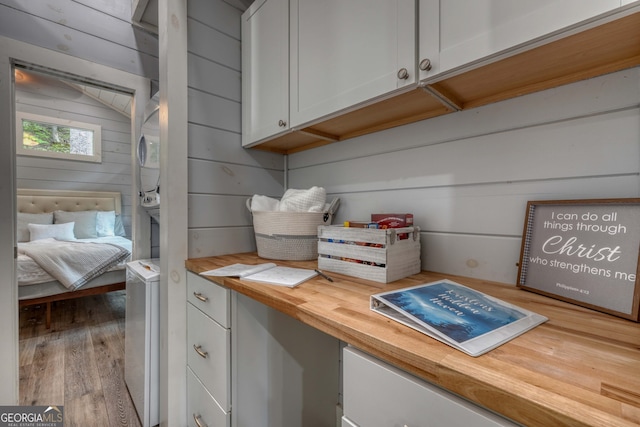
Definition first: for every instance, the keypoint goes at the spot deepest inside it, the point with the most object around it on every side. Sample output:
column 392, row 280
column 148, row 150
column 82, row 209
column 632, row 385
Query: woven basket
column 291, row 236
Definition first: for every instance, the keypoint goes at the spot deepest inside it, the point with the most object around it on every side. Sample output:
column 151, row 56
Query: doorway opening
column 19, row 56
column 73, row 142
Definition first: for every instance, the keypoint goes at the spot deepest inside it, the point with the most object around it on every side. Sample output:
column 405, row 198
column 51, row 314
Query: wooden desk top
column 581, row 368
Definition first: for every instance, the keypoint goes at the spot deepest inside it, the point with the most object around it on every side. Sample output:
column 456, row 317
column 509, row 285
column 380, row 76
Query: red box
column 392, row 220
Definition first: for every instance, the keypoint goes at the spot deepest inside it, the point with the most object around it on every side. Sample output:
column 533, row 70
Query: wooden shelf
column 609, row 47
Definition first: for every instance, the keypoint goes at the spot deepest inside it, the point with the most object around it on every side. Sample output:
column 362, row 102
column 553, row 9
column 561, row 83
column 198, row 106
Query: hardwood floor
column 79, row 362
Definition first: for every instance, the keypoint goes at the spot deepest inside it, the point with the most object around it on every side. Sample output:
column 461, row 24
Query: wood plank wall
column 467, row 176
column 95, row 30
column 222, row 175
column 53, row 98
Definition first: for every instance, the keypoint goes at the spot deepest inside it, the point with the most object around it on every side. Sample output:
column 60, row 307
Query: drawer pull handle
column 198, row 349
column 197, row 419
column 200, row 297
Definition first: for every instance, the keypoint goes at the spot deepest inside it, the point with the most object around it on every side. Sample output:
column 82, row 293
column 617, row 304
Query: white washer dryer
column 142, row 336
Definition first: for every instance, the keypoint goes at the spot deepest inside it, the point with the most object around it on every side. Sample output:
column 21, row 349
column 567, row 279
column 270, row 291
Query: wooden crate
column 381, row 255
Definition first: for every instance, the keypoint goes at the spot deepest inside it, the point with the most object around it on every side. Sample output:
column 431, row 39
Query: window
column 57, row 138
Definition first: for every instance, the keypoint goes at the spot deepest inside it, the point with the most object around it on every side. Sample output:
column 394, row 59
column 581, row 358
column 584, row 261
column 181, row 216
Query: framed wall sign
column 585, row 252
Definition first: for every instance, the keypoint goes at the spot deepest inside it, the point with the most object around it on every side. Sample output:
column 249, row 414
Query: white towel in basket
column 264, row 203
column 311, row 200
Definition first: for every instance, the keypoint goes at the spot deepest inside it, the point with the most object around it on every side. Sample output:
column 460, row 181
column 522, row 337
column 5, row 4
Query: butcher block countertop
column 581, row 368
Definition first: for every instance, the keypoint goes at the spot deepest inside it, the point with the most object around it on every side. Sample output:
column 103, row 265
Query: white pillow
column 85, row 222
column 105, row 223
column 24, row 219
column 55, row 231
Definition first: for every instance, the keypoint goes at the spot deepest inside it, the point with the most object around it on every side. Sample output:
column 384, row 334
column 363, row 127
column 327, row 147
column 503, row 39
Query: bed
column 88, row 225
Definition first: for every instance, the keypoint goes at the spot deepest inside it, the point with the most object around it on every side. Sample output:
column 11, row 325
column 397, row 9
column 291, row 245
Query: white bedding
column 30, row 273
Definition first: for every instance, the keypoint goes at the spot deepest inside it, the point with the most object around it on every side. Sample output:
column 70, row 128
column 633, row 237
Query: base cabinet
column 249, row 365
column 377, row 394
column 208, row 353
column 285, row 373
column 202, row 408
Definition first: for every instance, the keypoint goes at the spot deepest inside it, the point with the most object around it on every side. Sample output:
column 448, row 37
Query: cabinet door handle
column 425, row 64
column 197, row 419
column 198, row 349
column 403, row 74
column 282, row 123
column 200, row 297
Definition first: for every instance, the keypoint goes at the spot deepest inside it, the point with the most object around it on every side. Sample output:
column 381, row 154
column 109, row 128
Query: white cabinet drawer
column 208, row 354
column 212, row 299
column 379, row 395
column 202, row 407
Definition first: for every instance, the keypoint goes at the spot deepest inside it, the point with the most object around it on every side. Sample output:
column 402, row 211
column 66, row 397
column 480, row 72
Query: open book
column 265, row 273
column 461, row 317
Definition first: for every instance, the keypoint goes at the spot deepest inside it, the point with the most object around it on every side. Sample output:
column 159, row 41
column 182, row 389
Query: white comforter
column 75, row 274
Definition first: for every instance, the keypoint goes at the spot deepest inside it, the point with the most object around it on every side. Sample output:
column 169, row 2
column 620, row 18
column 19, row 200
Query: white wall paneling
column 567, row 149
column 98, row 31
column 227, row 86
column 222, row 175
column 207, row 42
column 222, row 146
column 472, row 209
column 218, row 211
column 210, row 177
column 212, row 241
column 467, row 176
column 214, row 111
column 50, row 97
column 221, row 15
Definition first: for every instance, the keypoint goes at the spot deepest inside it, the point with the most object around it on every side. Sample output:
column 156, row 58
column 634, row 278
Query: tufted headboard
column 40, row 201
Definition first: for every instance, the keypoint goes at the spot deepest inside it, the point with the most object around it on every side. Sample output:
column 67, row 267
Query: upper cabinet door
column 265, row 70
column 455, row 33
column 344, row 53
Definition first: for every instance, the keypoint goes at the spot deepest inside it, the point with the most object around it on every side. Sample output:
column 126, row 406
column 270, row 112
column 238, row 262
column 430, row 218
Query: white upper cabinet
column 344, row 53
column 322, row 71
column 265, row 70
column 456, row 33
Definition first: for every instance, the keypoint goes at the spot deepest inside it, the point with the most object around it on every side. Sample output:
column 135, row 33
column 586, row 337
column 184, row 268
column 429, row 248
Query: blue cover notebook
column 461, row 317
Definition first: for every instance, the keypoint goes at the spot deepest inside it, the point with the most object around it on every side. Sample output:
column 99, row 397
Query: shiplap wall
column 222, row 175
column 53, row 98
column 467, row 176
column 99, row 31
column 95, row 30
